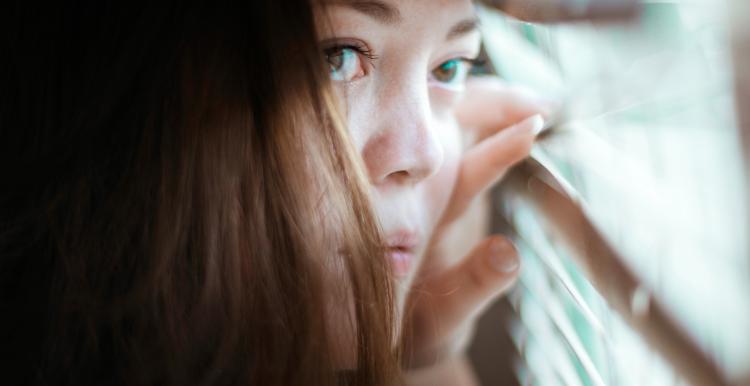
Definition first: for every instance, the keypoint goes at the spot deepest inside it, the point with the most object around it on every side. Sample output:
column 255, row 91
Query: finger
column 488, row 271
column 461, row 292
column 490, row 104
column 484, row 164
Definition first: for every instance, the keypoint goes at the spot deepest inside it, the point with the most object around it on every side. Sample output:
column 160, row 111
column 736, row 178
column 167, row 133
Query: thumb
column 454, row 296
column 489, row 270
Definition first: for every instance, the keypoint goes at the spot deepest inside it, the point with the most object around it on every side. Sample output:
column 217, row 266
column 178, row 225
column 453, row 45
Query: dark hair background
column 163, row 166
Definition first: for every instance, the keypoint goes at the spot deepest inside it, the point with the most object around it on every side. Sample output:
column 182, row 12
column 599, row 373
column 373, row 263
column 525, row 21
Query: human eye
column 347, row 62
column 453, row 72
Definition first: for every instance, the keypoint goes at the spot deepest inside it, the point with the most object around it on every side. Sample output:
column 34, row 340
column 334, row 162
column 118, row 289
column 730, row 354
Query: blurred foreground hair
column 167, row 170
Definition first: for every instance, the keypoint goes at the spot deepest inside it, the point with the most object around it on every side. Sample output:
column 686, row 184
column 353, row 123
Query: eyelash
column 474, row 62
column 364, row 51
column 339, row 56
column 452, row 73
column 361, row 49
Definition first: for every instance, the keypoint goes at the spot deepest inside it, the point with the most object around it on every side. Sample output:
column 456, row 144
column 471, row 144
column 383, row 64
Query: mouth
column 401, row 248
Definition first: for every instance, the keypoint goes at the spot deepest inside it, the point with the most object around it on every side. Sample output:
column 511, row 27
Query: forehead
column 455, row 17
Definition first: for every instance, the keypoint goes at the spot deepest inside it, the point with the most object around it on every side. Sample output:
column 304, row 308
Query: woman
column 185, row 204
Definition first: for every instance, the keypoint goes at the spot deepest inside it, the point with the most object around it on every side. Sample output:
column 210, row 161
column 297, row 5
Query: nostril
column 403, row 158
column 404, row 148
column 399, row 177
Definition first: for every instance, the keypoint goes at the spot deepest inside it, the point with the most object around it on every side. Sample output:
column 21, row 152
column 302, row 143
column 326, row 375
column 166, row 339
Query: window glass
column 647, row 136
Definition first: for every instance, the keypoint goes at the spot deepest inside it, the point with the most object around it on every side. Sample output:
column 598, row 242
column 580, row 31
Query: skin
column 432, row 142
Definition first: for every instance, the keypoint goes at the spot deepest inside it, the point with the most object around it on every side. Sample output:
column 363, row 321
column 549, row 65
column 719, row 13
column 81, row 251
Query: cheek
column 438, row 188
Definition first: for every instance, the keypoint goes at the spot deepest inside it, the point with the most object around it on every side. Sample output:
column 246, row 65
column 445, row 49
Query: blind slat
column 541, row 248
column 549, row 309
column 542, row 190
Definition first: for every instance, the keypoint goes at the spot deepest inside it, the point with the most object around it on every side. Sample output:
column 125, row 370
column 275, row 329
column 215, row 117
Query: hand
column 449, row 293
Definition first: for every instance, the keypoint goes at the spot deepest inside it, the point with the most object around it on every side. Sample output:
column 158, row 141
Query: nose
column 405, row 147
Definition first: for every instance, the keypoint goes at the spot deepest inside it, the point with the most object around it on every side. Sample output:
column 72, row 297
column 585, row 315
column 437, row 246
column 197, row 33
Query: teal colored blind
column 647, row 140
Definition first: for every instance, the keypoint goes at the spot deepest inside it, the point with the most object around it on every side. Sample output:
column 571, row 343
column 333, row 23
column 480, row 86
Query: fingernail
column 536, row 122
column 503, row 257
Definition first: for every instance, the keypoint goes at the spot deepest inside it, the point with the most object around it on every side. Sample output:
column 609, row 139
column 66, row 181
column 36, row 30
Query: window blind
column 631, row 214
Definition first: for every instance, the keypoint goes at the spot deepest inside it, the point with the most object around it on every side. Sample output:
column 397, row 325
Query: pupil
column 447, row 71
column 336, row 61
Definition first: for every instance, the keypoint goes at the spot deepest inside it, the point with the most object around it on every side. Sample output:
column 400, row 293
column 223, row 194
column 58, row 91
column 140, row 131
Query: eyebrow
column 388, row 14
column 462, row 28
column 378, row 10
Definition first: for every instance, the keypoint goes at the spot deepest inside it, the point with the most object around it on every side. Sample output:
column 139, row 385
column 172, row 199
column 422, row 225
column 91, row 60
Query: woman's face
column 399, row 67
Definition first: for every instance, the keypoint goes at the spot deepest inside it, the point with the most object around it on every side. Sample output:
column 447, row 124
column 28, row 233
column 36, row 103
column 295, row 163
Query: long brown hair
column 168, row 170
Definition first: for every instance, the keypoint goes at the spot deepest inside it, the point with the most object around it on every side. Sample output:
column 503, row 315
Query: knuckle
column 478, row 277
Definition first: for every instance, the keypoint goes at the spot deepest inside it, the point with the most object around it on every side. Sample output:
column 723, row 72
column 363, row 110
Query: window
column 631, row 215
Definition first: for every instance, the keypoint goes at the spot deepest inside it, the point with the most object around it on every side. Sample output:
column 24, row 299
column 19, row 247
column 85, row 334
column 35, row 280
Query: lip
column 402, row 247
